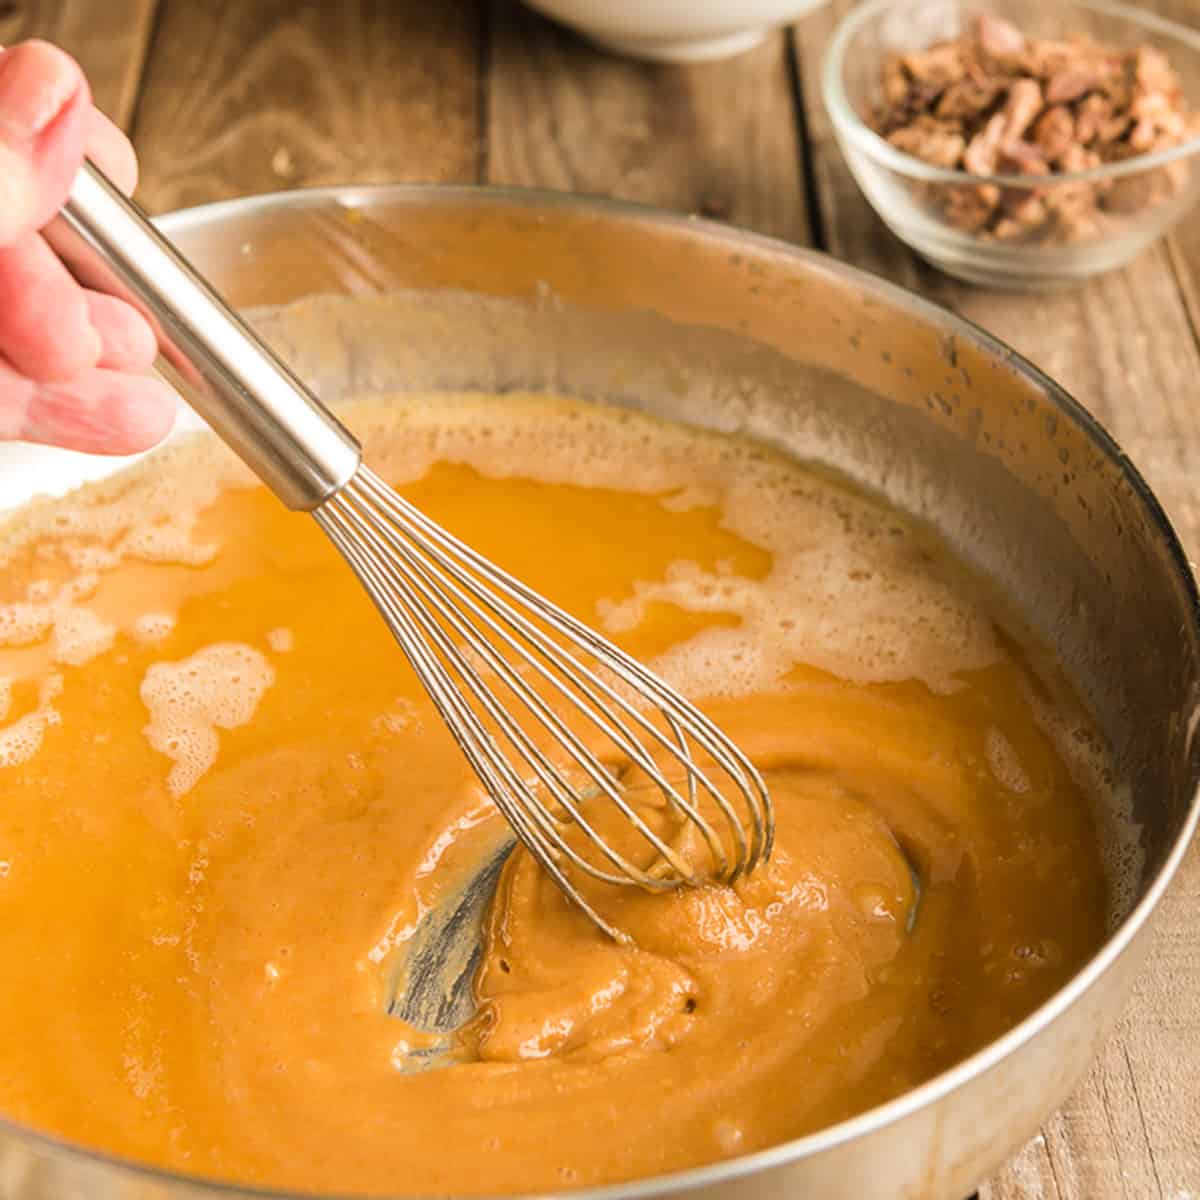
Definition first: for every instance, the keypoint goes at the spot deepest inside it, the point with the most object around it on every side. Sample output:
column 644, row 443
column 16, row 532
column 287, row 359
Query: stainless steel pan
column 444, row 288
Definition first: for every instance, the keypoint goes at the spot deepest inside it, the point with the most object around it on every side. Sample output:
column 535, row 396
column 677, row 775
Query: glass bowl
column 1125, row 205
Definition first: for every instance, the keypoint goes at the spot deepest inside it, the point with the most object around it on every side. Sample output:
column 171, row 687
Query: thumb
column 44, row 112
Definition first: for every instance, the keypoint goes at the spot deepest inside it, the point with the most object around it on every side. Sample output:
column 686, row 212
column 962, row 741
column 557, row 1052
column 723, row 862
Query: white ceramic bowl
column 676, row 30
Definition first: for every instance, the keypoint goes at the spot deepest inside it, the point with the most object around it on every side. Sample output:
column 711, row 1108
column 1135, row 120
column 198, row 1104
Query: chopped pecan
column 984, row 148
column 967, row 99
column 1143, row 136
column 1077, row 158
column 1029, row 208
column 970, row 208
column 1054, row 131
column 1095, row 121
column 931, row 144
column 997, row 37
column 1073, row 211
column 1043, row 59
column 895, row 82
column 1021, row 108
column 1153, row 106
column 1021, row 158
column 1152, row 71
column 941, row 64
column 1071, row 83
column 1008, row 229
column 995, row 101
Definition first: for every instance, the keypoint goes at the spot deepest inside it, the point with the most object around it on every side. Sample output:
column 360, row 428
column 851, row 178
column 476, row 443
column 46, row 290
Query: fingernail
column 93, row 344
column 16, row 194
column 36, row 84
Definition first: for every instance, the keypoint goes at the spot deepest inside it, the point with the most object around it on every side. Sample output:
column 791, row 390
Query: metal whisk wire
column 453, row 612
column 478, row 639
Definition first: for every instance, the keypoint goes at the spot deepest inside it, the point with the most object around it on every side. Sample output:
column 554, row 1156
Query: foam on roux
column 853, row 588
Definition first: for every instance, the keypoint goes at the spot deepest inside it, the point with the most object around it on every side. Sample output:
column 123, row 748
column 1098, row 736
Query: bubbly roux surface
column 225, row 801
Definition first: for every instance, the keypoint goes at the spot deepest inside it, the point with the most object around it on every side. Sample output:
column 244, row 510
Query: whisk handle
column 268, row 417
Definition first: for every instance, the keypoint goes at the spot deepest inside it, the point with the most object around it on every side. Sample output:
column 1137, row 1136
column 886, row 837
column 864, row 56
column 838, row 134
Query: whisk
column 540, row 704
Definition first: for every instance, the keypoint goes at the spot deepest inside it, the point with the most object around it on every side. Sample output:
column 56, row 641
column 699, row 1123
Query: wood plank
column 108, row 39
column 1096, row 1146
column 1184, row 243
column 1183, row 246
column 717, row 139
column 1124, row 345
column 258, row 95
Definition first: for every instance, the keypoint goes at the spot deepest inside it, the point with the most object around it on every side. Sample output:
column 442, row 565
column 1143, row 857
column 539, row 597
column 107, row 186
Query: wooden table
column 226, row 97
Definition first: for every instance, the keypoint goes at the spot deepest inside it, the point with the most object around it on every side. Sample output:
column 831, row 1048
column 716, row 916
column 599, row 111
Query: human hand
column 71, row 360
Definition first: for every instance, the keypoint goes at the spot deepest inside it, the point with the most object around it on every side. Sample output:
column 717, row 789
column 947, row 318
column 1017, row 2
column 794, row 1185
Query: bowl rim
column 850, row 125
column 1119, row 938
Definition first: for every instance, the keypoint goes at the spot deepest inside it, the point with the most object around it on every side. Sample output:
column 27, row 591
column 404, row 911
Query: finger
column 99, row 412
column 112, row 152
column 44, row 117
column 127, row 340
column 45, row 326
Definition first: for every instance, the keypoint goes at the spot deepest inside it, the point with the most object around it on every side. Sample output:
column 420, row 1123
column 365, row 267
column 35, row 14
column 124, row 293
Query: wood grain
column 717, row 139
column 1184, row 248
column 1184, row 242
column 258, row 95
column 109, row 39
column 1125, row 346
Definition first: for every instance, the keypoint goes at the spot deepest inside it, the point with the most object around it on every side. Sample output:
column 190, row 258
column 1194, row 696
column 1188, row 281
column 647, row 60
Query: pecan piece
column 1054, row 131
column 996, row 101
column 1095, row 121
column 970, row 208
column 984, row 148
column 1071, row 83
column 895, row 82
column 997, row 37
column 1021, row 108
column 967, row 99
column 1152, row 71
column 932, row 144
column 940, row 65
column 1027, row 208
column 1021, row 158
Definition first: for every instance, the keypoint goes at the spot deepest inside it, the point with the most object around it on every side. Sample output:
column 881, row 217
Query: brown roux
column 226, row 800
